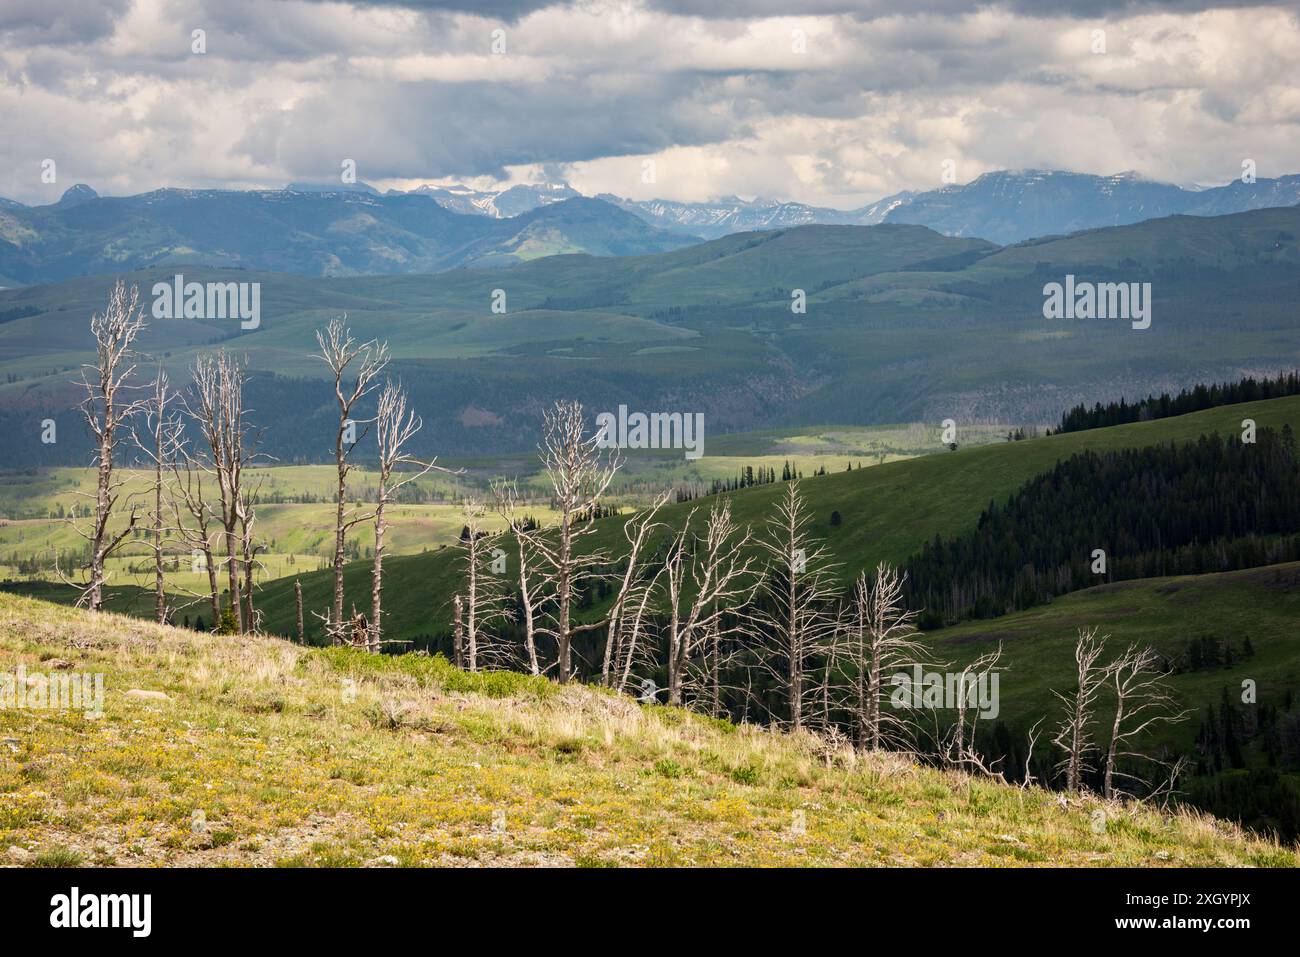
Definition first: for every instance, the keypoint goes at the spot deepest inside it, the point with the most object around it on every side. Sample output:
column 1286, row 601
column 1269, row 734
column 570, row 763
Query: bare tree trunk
column 297, row 598
column 210, row 561
column 104, row 410
column 471, row 607
column 798, row 586
column 1074, row 734
column 340, row 529
column 794, row 679
column 377, row 572
column 530, row 624
column 394, row 427
column 716, row 696
column 579, row 476
column 339, row 350
column 219, row 389
column 564, row 578
column 159, row 581
column 1142, row 700
column 249, row 552
column 232, row 575
column 458, row 636
column 162, row 446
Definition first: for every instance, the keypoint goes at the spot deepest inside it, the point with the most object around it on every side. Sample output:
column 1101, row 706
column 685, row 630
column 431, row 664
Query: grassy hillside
column 244, row 751
column 887, row 511
column 1259, row 604
column 902, row 324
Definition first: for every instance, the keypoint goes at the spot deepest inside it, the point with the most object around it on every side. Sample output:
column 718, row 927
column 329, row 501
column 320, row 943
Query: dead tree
column 795, row 619
column 457, row 633
column 1030, row 743
column 343, row 354
column 395, row 425
column 1075, row 731
column 195, row 532
column 959, row 748
column 627, row 615
column 579, row 474
column 160, row 445
column 105, row 409
column 484, row 591
column 1142, row 701
column 249, row 548
column 881, row 641
column 297, row 601
column 533, row 580
column 218, row 409
column 706, row 580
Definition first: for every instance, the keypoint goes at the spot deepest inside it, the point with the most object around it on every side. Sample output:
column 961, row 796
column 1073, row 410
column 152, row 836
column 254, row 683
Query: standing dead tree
column 579, row 474
column 627, row 615
column 196, row 531
column 105, row 409
column 218, row 409
column 1075, row 731
column 1142, row 701
column 794, row 618
column 881, row 641
column 485, row 600
column 160, row 445
column 959, row 749
column 707, row 580
column 533, row 580
column 395, row 426
column 364, row 361
column 249, row 548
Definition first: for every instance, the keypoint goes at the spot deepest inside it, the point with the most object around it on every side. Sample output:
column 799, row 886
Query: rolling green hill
column 887, row 511
column 902, row 324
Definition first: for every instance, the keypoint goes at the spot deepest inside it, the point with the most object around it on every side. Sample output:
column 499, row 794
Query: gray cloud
column 26, row 22
column 412, row 91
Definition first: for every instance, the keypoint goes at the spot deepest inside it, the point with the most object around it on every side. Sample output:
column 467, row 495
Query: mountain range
column 335, row 230
column 306, row 231
column 1006, row 206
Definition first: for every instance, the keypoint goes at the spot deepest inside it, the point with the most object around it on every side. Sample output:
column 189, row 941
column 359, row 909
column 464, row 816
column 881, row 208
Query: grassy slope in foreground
column 887, row 512
column 257, row 735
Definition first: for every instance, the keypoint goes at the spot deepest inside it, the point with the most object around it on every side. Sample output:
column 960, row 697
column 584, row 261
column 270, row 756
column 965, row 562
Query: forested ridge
column 1211, row 505
column 1250, row 389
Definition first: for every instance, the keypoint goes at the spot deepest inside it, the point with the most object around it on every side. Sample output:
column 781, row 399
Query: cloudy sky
column 833, row 102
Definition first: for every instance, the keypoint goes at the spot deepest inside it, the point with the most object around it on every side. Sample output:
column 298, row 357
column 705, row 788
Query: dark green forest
column 1205, row 506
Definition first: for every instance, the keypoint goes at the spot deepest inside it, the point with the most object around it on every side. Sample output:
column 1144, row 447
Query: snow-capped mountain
column 730, row 214
column 1006, row 206
column 501, row 204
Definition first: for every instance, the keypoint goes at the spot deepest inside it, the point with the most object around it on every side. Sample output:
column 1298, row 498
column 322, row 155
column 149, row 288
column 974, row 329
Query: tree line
column 1214, row 504
column 1195, row 399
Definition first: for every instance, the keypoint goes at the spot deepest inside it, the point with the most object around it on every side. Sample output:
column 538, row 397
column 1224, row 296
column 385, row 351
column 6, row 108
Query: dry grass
column 270, row 754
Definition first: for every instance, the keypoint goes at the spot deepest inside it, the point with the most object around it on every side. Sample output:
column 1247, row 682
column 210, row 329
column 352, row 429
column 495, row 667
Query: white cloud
column 721, row 102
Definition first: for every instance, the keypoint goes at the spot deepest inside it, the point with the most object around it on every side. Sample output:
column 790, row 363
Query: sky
column 831, row 102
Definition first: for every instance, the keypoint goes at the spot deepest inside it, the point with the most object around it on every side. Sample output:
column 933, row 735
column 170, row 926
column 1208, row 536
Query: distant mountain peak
column 80, row 193
column 304, row 186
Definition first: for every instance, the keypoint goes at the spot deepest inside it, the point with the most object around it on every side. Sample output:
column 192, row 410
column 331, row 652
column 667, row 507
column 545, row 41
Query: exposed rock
column 147, row 695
